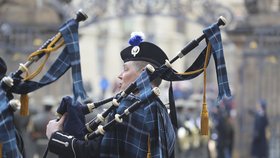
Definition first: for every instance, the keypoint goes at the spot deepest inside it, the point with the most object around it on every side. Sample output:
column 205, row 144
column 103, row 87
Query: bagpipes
column 68, row 58
column 75, row 123
column 14, row 83
column 118, row 118
column 45, row 49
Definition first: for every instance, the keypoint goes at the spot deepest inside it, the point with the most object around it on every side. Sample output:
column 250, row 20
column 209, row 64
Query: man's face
column 128, row 75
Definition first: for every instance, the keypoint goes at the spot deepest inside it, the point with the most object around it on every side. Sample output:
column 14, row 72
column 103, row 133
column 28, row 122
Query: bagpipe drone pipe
column 68, row 58
column 15, row 84
column 92, row 129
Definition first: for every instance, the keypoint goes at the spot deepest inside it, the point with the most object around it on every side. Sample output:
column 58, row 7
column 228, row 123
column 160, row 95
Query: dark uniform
column 126, row 139
column 68, row 146
column 260, row 143
column 146, row 132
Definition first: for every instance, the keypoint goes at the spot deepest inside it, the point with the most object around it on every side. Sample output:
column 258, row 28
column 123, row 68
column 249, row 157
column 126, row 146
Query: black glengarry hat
column 143, row 51
column 3, row 68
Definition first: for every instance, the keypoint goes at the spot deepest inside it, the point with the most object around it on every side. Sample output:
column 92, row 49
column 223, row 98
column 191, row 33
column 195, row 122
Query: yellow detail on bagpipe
column 23, row 68
column 50, row 48
column 204, row 113
column 149, row 148
column 24, row 105
column 198, row 70
column 204, row 119
column 47, row 51
column 190, row 72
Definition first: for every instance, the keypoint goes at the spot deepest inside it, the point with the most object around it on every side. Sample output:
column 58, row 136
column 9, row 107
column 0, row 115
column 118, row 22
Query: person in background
column 259, row 147
column 38, row 123
column 104, row 85
column 225, row 131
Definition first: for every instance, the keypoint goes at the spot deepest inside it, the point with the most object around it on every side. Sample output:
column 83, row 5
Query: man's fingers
column 61, row 120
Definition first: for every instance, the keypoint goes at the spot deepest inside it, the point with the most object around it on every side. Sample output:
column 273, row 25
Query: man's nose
column 120, row 76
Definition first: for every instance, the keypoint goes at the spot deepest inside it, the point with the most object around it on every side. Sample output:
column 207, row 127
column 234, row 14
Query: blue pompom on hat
column 136, row 38
column 143, row 51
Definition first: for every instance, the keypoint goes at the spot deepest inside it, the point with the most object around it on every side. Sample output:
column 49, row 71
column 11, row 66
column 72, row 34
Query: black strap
column 172, row 107
column 46, row 152
column 20, row 143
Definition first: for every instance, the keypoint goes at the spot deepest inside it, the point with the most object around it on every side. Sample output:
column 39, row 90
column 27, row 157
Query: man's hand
column 54, row 126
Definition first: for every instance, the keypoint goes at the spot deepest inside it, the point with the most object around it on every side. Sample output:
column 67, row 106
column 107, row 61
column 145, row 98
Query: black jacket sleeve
column 67, row 146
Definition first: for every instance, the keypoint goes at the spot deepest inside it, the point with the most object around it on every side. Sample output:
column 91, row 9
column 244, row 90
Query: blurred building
column 170, row 24
column 251, row 44
column 257, row 41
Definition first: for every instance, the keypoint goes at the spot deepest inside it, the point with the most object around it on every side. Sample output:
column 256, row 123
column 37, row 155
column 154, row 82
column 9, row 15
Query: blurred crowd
column 220, row 141
column 33, row 127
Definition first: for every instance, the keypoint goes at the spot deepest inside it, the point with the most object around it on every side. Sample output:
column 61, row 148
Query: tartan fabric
column 130, row 138
column 69, row 57
column 213, row 34
column 71, row 38
column 75, row 121
column 7, row 129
